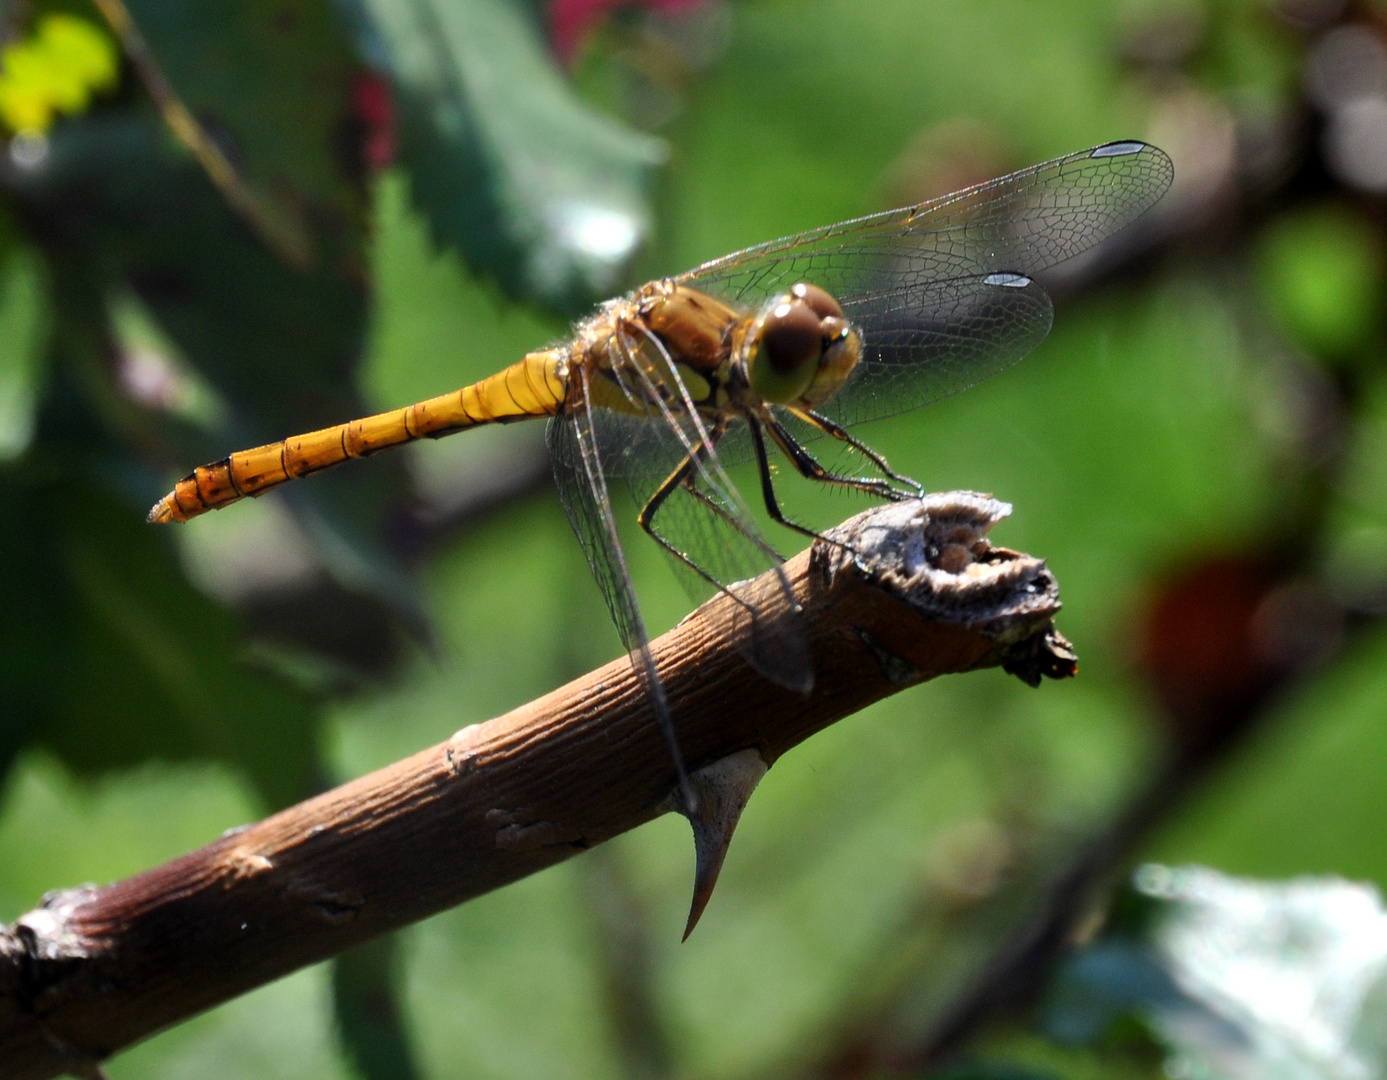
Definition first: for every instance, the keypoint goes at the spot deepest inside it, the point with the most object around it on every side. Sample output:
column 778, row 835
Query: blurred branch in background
column 622, row 926
column 283, row 235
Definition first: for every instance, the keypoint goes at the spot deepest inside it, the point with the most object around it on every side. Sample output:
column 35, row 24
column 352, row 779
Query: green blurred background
column 1199, row 451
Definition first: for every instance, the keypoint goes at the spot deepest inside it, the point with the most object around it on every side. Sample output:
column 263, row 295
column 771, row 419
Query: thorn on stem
column 721, row 792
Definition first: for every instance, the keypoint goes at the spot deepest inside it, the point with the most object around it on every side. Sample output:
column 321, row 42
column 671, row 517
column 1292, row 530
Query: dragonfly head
column 801, row 349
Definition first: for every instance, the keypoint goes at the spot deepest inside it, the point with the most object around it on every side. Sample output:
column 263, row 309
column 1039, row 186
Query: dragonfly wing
column 1023, row 223
column 716, row 544
column 578, row 472
column 584, row 495
column 713, row 542
column 927, row 341
column 945, row 293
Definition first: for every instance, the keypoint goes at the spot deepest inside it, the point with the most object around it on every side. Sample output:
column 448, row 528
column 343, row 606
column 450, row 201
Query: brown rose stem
column 283, row 235
column 911, row 591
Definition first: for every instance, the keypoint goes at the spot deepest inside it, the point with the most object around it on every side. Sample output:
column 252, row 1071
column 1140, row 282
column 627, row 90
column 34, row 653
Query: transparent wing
column 579, row 476
column 924, row 342
column 578, row 472
column 712, row 541
column 1022, row 223
column 944, row 292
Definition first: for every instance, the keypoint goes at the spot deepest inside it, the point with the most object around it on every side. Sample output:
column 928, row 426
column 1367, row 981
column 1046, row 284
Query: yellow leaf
column 23, row 109
column 55, row 70
column 86, row 53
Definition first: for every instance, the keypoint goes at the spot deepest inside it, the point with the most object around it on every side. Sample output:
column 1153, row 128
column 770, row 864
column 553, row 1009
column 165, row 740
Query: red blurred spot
column 1220, row 636
column 1200, row 646
column 375, row 111
column 570, row 21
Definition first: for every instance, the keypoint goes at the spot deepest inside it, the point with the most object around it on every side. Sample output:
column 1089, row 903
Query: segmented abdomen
column 533, row 387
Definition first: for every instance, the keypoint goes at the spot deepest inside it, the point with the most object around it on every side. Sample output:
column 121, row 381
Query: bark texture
column 909, row 591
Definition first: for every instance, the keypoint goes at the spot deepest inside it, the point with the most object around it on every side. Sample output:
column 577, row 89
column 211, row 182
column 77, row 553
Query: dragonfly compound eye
column 842, row 351
column 787, row 351
column 791, row 338
column 816, row 300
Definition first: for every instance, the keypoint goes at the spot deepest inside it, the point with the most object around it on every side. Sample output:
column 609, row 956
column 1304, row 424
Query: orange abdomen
column 533, row 387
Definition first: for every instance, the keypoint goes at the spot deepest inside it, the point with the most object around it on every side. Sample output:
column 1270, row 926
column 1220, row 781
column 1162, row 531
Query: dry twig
column 909, row 591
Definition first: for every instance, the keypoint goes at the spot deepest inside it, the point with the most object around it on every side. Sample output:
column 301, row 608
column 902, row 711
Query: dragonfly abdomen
column 534, row 387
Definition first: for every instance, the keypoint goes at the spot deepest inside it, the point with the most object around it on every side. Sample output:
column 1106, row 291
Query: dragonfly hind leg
column 684, row 476
column 810, row 468
column 763, row 468
column 775, row 645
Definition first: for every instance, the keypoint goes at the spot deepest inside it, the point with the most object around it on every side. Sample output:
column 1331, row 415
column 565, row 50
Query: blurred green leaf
column 435, row 324
column 271, row 81
column 511, row 167
column 536, row 946
column 992, row 1070
column 111, row 659
column 1308, row 797
column 23, row 335
column 1321, row 271
column 1356, row 559
column 279, row 345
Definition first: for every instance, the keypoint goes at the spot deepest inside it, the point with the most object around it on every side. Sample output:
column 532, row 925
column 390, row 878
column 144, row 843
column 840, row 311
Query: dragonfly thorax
column 670, row 346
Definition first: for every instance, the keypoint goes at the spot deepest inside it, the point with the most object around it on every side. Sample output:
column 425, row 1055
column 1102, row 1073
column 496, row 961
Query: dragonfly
column 766, row 352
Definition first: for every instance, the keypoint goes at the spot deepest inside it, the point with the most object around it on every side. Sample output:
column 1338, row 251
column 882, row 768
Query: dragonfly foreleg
column 763, row 467
column 809, row 467
column 828, row 427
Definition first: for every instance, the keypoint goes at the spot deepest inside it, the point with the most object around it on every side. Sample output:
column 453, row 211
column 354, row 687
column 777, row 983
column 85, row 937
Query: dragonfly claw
column 723, row 789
